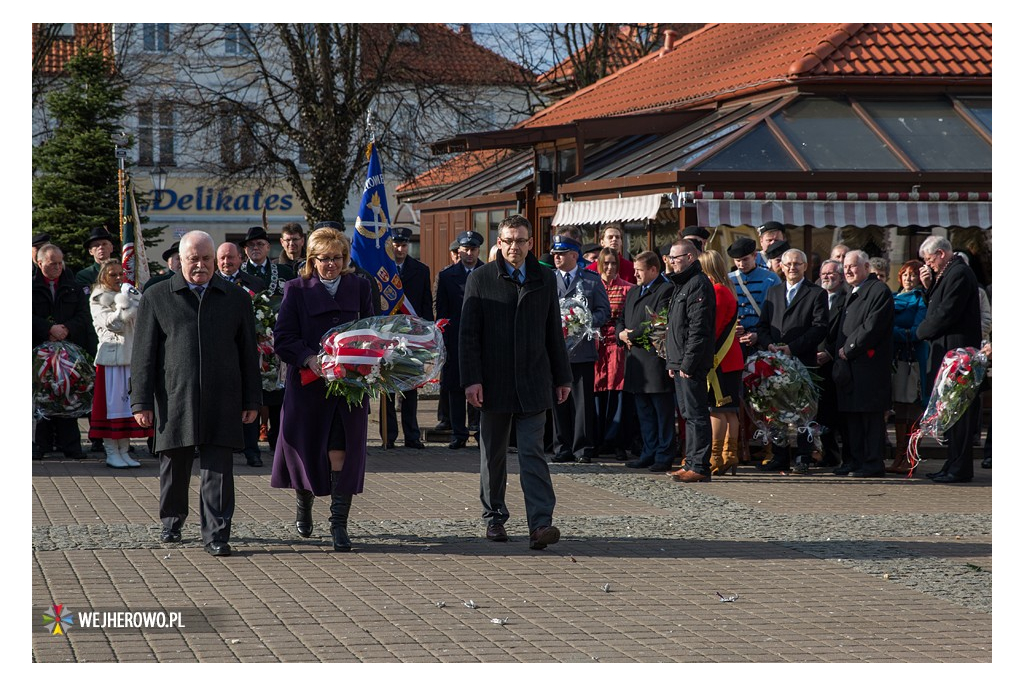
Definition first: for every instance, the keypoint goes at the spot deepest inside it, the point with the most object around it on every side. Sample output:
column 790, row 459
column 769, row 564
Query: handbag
column 906, row 382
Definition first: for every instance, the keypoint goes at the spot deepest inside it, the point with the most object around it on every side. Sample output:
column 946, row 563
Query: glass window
column 156, row 37
column 932, row 134
column 830, row 135
column 145, row 134
column 237, row 40
column 758, row 150
column 981, row 108
column 566, row 164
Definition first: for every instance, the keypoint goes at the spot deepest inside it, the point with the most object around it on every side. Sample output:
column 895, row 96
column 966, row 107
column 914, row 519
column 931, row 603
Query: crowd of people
column 659, row 375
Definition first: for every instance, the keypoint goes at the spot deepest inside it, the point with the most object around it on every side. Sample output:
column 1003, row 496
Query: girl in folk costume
column 114, row 307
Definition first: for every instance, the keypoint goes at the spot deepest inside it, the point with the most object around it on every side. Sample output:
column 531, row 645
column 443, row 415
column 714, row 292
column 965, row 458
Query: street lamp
column 159, row 178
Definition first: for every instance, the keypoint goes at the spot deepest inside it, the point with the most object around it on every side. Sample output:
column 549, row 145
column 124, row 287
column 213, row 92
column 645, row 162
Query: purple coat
column 300, row 459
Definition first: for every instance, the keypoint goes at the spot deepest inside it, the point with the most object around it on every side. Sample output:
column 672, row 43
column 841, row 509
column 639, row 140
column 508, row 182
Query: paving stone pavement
column 826, row 569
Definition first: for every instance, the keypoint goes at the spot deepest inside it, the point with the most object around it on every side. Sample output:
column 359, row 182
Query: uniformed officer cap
column 401, row 234
column 470, row 239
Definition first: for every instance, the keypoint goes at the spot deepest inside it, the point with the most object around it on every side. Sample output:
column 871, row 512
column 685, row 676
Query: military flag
column 134, row 265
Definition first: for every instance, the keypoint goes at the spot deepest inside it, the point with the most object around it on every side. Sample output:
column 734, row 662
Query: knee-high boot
column 304, row 512
column 730, row 457
column 341, row 504
column 717, row 459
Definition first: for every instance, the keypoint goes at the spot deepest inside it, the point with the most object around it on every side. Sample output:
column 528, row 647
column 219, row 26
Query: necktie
column 789, row 296
column 643, row 290
column 518, row 276
column 567, row 278
column 199, row 291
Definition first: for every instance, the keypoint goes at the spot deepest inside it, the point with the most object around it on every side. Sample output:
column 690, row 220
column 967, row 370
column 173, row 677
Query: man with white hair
column 194, row 373
column 863, row 366
column 953, row 320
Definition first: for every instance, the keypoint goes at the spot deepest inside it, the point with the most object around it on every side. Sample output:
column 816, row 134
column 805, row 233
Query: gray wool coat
column 511, row 340
column 195, row 363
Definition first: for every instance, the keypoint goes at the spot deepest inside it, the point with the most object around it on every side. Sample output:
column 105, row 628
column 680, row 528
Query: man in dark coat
column 863, row 366
column 646, row 376
column 794, row 320
column 293, row 244
column 953, row 320
column 575, row 421
column 173, row 259
column 100, row 246
column 451, row 288
column 229, row 263
column 415, row 278
column 194, row 373
column 60, row 311
column 690, row 351
column 513, row 362
column 834, row 285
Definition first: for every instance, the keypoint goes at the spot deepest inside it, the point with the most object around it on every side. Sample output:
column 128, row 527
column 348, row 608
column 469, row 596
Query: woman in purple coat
column 322, row 446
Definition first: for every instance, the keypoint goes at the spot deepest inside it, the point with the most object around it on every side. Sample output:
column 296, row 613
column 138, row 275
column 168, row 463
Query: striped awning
column 840, row 209
column 606, row 211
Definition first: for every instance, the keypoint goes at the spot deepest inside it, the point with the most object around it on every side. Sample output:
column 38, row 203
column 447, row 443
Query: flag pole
column 384, row 398
column 121, row 153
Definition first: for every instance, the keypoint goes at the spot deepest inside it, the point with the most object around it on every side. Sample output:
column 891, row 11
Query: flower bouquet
column 379, row 354
column 956, row 385
column 782, row 394
column 62, row 378
column 577, row 321
column 653, row 331
column 271, row 371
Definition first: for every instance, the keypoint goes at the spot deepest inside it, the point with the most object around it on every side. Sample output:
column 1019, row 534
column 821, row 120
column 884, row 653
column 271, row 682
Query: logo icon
column 58, row 619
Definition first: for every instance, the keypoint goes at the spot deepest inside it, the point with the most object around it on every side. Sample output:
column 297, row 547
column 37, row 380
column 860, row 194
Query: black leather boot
column 341, row 504
column 304, row 513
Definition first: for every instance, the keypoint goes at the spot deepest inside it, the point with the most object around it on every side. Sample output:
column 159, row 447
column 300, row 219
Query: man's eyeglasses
column 330, row 260
column 675, row 257
column 509, row 242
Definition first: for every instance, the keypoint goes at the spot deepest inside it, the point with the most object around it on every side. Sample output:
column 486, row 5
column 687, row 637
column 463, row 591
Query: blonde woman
column 114, row 307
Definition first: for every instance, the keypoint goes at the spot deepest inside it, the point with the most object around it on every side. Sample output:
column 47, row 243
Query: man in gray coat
column 512, row 360
column 194, row 372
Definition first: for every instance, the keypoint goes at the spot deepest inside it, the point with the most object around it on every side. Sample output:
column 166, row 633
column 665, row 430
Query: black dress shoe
column 562, row 458
column 415, row 445
column 544, row 536
column 660, row 468
column 986, row 463
column 843, row 470
column 255, row 462
column 801, row 468
column 74, row 455
column 218, row 548
column 391, row 446
column 948, row 478
column 582, row 460
column 170, row 536
column 639, row 464
column 496, row 533
column 457, row 443
column 867, row 474
column 443, row 426
column 935, row 475
column 620, row 454
column 474, row 428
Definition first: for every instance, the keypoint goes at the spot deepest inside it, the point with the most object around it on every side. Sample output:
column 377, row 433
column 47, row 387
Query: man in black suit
column 229, row 263
column 415, row 278
column 513, row 364
column 646, row 376
column 451, row 288
column 953, row 320
column 863, row 366
column 794, row 320
column 834, row 285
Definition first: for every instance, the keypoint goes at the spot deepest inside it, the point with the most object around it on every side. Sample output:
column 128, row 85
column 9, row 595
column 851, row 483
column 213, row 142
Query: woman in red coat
column 724, row 379
column 322, row 446
column 614, row 407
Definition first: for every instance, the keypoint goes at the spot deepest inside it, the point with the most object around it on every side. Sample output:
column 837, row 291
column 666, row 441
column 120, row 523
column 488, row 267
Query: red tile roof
column 723, row 61
column 456, row 169
column 442, row 56
column 64, row 48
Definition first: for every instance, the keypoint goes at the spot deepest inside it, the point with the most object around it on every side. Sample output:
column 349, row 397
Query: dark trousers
column 866, row 431
column 692, row 398
column 61, row 433
column 534, row 477
column 251, row 436
column 833, row 427
column 616, row 418
column 575, row 420
column 657, row 416
column 442, row 408
column 960, row 448
column 410, row 425
column 216, row 490
column 457, row 413
column 272, row 400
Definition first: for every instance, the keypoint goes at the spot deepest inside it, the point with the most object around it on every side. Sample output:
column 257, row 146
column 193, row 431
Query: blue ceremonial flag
column 371, row 245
